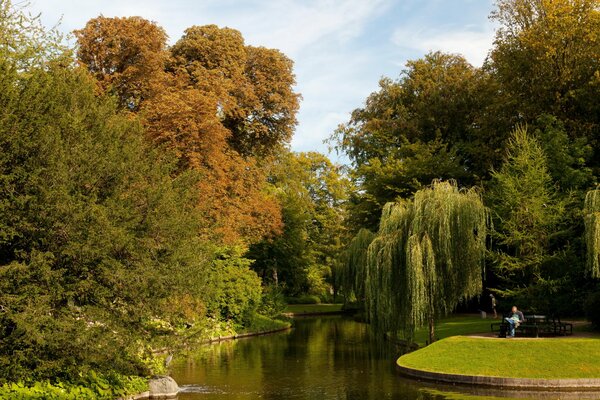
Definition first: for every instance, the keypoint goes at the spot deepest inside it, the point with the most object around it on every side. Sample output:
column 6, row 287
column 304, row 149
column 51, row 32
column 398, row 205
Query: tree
column 421, row 127
column 97, row 233
column 591, row 212
column 353, row 274
column 312, row 192
column 235, row 202
column 222, row 106
column 252, row 85
column 126, row 55
column 427, row 257
column 527, row 214
column 545, row 60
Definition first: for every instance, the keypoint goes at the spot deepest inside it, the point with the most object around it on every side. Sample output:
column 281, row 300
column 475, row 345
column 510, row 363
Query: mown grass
column 549, row 358
column 313, row 308
column 454, row 325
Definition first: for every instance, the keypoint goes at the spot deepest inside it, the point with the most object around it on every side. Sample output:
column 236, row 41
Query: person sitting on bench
column 514, row 320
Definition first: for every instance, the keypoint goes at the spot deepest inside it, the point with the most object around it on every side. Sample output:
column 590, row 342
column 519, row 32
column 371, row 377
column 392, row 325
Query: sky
column 340, row 48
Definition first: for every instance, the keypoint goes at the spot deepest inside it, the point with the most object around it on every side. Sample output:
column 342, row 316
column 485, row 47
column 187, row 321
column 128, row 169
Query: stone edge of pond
column 582, row 384
column 315, row 314
column 245, row 335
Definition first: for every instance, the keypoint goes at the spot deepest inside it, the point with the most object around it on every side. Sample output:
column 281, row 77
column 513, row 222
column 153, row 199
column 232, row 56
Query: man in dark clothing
column 514, row 320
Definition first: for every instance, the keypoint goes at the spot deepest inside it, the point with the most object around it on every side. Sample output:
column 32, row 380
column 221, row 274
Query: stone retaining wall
column 494, row 381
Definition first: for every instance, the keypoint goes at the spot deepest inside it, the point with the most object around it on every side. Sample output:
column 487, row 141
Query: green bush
column 592, row 307
column 236, row 289
column 304, row 299
column 89, row 387
column 273, row 302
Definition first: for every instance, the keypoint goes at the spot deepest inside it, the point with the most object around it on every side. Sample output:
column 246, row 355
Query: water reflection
column 321, row 358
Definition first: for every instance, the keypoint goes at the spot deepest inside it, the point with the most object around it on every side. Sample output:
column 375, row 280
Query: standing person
column 493, row 301
column 514, row 320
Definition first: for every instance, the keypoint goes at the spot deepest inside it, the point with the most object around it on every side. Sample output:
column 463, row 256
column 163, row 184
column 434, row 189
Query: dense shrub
column 88, row 387
column 235, row 290
column 273, row 301
column 96, row 229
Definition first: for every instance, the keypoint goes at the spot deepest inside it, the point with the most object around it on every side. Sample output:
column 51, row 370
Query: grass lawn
column 312, row 308
column 549, row 358
column 454, row 325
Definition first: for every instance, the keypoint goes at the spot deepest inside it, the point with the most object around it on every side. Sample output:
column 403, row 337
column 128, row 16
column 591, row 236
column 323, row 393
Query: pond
column 321, row 358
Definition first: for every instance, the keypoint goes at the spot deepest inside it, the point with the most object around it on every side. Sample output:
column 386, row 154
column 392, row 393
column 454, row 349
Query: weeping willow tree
column 427, row 257
column 591, row 212
column 354, row 271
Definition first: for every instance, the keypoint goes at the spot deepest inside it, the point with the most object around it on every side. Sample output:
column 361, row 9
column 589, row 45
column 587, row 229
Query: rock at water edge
column 163, row 387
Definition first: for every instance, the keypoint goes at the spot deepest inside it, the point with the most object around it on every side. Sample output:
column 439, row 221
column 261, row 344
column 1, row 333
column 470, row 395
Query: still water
column 319, row 359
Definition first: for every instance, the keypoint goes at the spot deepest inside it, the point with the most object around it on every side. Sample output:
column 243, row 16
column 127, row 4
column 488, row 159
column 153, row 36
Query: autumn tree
column 126, row 55
column 252, row 85
column 222, row 106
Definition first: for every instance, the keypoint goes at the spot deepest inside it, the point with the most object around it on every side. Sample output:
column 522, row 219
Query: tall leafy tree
column 421, row 127
column 97, row 233
column 126, row 55
column 353, row 271
column 253, row 86
column 427, row 257
column 545, row 60
column 312, row 192
column 527, row 214
column 222, row 106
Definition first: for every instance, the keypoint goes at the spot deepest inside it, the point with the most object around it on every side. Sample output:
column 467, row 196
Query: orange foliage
column 126, row 55
column 220, row 105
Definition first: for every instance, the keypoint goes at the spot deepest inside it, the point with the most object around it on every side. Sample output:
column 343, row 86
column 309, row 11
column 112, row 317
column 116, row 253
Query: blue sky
column 341, row 48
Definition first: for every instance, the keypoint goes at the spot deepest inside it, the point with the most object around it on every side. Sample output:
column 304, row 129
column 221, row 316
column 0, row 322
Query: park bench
column 534, row 325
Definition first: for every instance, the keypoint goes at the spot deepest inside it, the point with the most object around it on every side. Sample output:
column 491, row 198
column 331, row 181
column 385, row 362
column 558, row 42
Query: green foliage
column 527, row 212
column 24, row 39
column 312, row 192
column 424, row 126
column 566, row 158
column 545, row 59
column 91, row 387
column 260, row 323
column 426, row 258
column 236, row 289
column 273, row 301
column 353, row 273
column 591, row 212
column 96, row 231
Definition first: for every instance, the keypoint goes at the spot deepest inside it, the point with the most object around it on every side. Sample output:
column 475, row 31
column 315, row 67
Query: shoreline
column 447, row 362
column 172, row 395
column 567, row 384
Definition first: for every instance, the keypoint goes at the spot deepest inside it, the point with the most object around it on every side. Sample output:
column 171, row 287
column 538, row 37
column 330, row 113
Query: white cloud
column 472, row 43
column 340, row 47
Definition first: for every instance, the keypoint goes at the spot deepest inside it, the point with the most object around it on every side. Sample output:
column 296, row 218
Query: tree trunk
column 431, row 329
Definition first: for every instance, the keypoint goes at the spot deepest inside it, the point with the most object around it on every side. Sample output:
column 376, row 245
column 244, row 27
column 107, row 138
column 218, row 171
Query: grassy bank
column 261, row 324
column 453, row 326
column 550, row 358
column 313, row 308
